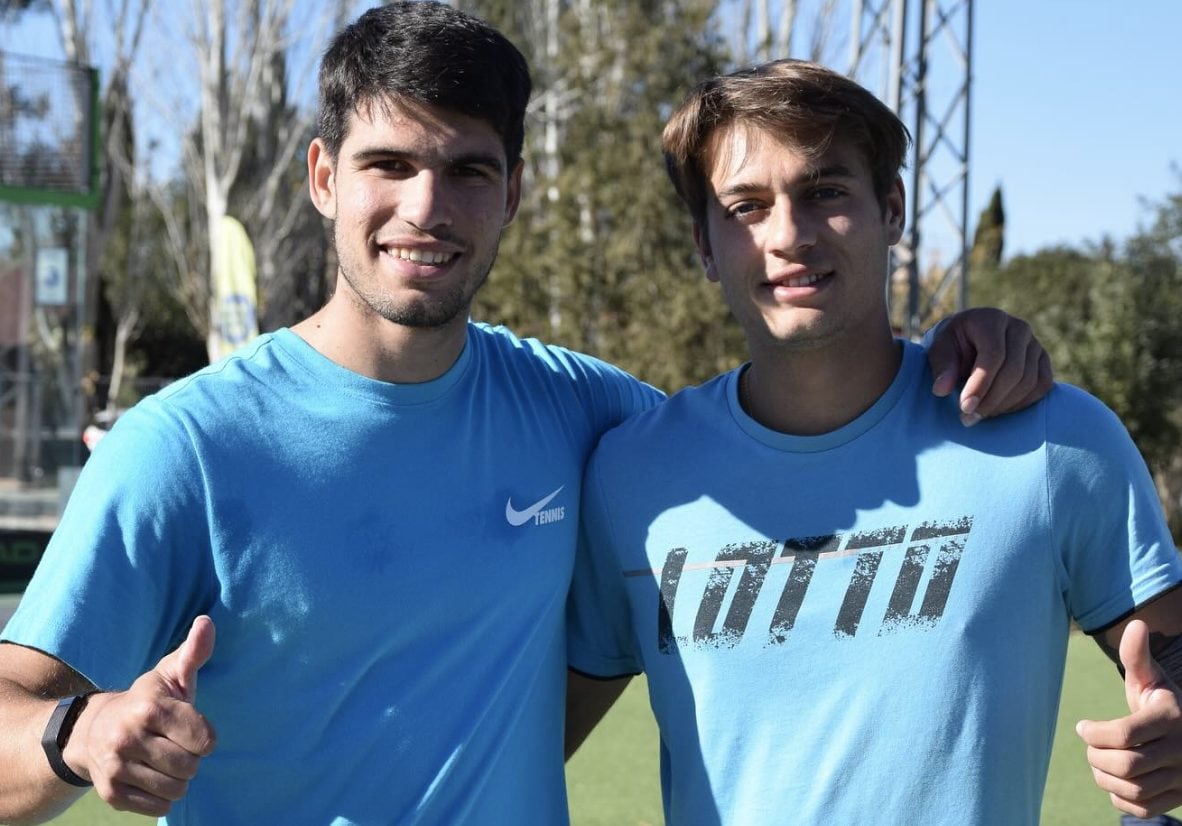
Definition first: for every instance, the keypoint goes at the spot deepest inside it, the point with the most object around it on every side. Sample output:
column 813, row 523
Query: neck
column 810, row 392
column 370, row 345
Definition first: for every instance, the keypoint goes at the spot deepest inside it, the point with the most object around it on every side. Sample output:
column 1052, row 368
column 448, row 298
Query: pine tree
column 989, row 239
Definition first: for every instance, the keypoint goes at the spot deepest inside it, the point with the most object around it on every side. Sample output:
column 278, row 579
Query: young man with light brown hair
column 850, row 608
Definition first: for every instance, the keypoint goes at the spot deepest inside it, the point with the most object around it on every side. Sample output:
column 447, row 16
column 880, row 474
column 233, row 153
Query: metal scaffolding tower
column 918, row 54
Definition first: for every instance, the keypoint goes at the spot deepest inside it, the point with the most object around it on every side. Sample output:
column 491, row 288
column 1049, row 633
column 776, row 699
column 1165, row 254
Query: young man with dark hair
column 850, row 608
column 376, row 508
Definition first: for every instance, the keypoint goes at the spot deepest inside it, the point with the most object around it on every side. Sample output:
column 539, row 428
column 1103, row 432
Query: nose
column 792, row 228
column 423, row 201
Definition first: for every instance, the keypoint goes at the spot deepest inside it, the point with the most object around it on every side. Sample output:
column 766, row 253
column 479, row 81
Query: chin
column 805, row 338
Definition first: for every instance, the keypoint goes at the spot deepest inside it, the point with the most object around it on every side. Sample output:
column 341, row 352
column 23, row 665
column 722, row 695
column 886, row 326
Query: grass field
column 613, row 778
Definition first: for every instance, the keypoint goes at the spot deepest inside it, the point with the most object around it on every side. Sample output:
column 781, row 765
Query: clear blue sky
column 1077, row 112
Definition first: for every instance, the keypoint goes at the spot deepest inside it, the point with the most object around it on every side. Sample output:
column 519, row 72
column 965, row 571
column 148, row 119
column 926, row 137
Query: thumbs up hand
column 1137, row 758
column 177, row 672
column 141, row 747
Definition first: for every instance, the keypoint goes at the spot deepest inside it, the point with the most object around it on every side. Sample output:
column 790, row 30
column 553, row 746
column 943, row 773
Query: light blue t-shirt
column 867, row 626
column 386, row 566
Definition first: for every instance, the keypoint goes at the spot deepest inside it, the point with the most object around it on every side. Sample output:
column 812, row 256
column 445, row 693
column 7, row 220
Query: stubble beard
column 773, row 334
column 427, row 310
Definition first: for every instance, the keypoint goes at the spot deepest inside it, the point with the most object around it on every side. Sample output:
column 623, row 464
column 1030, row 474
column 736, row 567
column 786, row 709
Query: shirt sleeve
column 600, row 640
column 930, row 335
column 128, row 566
column 608, row 394
column 1116, row 547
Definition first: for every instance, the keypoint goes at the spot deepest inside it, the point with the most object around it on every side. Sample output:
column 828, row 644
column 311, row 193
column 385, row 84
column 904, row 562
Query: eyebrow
column 485, row 159
column 741, row 188
column 835, row 170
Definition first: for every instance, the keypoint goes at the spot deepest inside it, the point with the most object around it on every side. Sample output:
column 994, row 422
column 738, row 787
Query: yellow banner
column 234, row 302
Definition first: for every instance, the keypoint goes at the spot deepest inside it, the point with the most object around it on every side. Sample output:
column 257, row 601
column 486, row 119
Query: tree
column 65, row 340
column 244, row 154
column 270, row 195
column 236, row 75
column 12, row 8
column 1154, row 256
column 989, row 239
column 600, row 257
column 1108, row 318
column 757, row 40
column 126, row 276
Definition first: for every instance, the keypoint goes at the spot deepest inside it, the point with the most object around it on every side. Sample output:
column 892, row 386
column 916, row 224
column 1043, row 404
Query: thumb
column 179, row 669
column 1142, row 674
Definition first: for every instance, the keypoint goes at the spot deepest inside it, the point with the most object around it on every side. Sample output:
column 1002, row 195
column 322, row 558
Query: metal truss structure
column 918, row 55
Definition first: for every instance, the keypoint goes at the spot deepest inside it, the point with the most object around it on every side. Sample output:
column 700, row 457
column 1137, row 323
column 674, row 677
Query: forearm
column 587, row 700
column 1163, row 615
column 29, row 790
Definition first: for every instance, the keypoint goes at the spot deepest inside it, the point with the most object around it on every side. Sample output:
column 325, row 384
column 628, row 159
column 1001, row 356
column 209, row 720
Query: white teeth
column 421, row 256
column 805, row 280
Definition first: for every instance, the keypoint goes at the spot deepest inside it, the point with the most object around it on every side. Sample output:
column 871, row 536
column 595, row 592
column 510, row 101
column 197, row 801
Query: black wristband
column 57, row 733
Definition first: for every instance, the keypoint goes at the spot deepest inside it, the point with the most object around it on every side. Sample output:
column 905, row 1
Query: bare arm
column 30, row 684
column 1137, row 759
column 587, row 700
column 1163, row 617
column 139, row 747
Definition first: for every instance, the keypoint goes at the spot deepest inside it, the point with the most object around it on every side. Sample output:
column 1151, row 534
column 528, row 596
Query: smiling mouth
column 802, row 280
column 419, row 256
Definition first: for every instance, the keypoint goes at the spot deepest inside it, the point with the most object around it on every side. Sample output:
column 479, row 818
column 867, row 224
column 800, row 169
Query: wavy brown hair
column 804, row 104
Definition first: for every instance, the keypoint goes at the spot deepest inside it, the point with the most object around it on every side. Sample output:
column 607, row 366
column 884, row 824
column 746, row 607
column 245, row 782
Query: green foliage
column 1109, row 319
column 600, row 257
column 1155, row 255
column 134, row 275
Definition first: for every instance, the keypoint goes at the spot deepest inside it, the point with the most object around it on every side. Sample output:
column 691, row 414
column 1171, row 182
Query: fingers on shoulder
column 1007, row 378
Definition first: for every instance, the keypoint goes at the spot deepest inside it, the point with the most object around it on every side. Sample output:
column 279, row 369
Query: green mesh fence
column 48, row 132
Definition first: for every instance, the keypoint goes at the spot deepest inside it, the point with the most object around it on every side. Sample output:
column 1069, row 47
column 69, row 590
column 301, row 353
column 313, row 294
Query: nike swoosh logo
column 518, row 518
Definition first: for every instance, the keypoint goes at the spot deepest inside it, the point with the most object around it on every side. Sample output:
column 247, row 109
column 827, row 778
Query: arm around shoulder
column 1001, row 363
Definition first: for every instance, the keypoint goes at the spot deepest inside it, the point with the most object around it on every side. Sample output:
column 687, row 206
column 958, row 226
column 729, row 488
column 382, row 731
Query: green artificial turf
column 1091, row 690
column 90, row 811
column 613, row 778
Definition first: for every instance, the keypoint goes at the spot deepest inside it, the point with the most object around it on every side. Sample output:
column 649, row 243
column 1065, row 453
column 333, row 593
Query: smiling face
column 419, row 198
column 799, row 245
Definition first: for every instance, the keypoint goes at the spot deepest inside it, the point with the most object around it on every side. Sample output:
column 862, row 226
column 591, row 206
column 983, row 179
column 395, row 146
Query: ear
column 896, row 212
column 513, row 193
column 702, row 242
column 322, row 183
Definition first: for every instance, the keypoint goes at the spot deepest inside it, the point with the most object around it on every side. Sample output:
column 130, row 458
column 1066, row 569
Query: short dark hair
column 425, row 53
column 804, row 104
